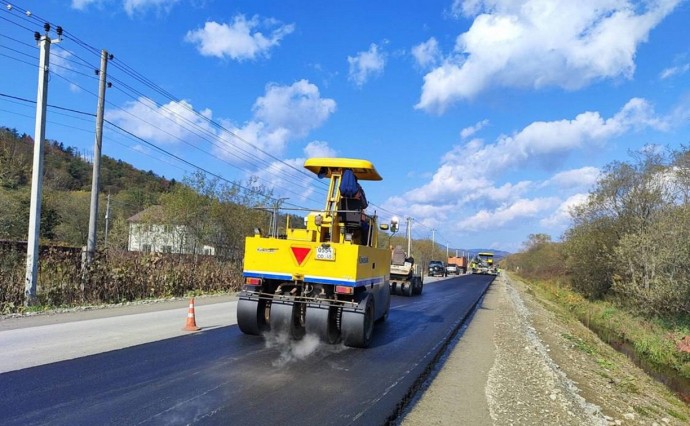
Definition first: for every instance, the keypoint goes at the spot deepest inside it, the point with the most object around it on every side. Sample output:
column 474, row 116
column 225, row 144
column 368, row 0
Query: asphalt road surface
column 221, row 376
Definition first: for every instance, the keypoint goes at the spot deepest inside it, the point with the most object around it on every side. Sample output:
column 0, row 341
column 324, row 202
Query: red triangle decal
column 300, row 253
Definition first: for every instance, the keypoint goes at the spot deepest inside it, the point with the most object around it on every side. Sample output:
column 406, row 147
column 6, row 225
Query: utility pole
column 107, row 216
column 276, row 206
column 30, row 285
column 96, row 176
column 433, row 242
column 409, row 236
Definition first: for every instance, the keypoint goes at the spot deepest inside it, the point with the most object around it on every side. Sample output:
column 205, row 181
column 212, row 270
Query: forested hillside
column 66, row 191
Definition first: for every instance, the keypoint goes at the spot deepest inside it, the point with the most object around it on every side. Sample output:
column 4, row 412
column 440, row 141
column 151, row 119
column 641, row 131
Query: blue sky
column 488, row 119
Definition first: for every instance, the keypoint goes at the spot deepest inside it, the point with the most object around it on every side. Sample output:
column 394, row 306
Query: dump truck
column 328, row 278
column 483, row 263
column 459, row 262
column 404, row 279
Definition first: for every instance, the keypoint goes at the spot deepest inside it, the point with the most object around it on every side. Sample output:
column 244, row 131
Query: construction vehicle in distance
column 328, row 278
column 404, row 277
column 460, row 264
column 483, row 263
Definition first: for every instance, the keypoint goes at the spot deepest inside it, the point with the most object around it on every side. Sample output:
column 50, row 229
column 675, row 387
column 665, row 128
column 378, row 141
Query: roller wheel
column 398, row 289
column 358, row 327
column 251, row 316
column 323, row 322
column 286, row 317
column 408, row 289
column 384, row 317
column 418, row 286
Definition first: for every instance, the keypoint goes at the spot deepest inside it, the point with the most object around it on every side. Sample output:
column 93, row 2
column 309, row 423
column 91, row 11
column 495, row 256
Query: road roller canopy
column 325, row 167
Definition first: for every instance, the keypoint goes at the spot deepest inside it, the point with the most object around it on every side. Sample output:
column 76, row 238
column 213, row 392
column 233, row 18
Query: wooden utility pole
column 96, row 177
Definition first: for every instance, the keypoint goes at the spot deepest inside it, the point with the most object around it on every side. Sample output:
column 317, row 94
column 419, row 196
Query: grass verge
column 653, row 341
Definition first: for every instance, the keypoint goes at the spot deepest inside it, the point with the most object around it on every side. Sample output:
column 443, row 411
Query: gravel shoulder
column 522, row 361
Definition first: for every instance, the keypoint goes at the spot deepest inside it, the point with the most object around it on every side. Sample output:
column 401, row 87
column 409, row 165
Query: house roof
column 154, row 213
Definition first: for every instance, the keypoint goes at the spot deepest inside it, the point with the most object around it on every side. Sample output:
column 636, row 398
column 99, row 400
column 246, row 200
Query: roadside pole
column 409, row 235
column 96, row 176
column 30, row 285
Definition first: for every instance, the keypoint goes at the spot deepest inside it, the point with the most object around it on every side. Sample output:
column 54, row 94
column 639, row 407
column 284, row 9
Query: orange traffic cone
column 191, row 319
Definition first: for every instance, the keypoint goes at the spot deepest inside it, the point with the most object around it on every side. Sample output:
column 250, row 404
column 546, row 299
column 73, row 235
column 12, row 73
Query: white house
column 149, row 234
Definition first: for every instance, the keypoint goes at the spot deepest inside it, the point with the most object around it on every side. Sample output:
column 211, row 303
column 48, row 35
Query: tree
column 189, row 215
column 15, row 168
column 14, row 213
column 629, row 238
column 72, row 209
column 238, row 210
column 536, row 240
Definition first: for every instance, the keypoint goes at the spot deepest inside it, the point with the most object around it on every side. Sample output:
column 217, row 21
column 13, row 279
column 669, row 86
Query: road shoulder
column 86, row 313
column 456, row 395
column 524, row 361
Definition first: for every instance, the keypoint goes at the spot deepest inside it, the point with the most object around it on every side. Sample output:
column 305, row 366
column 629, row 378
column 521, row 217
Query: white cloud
column 366, row 64
column 505, row 214
column 466, row 179
column 427, row 54
column 674, row 71
column 171, row 123
column 469, row 131
column 240, row 40
column 545, row 142
column 283, row 114
column 299, row 108
column 286, row 181
column 584, row 177
column 83, row 4
column 131, row 7
column 139, row 6
column 319, row 149
column 561, row 217
column 466, row 8
column 60, row 64
column 60, row 60
column 540, row 43
column 284, row 174
column 250, row 142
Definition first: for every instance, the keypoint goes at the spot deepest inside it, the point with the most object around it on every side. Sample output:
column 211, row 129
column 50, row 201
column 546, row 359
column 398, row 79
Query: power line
column 383, row 213
column 18, row 41
column 246, row 156
column 192, row 127
column 152, row 145
column 19, row 25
